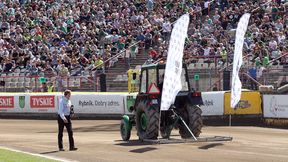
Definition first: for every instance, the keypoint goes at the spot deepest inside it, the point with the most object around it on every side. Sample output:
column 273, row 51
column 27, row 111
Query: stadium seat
column 118, row 78
column 52, row 79
column 195, row 65
column 64, row 83
column 71, row 83
column 212, row 66
column 219, row 65
column 200, row 65
column 13, row 84
column 205, row 66
column 21, row 79
column 7, row 84
column 86, row 73
column 8, row 79
column 17, row 70
column 32, row 84
column 200, row 60
column 14, row 79
column 280, row 67
column 27, row 79
column 125, row 77
column 23, row 70
column 77, row 84
column 77, row 79
column 191, row 66
column 20, row 84
column 38, row 84
column 138, row 67
column 26, row 84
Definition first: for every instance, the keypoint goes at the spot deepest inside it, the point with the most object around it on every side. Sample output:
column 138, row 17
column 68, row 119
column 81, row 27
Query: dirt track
column 99, row 140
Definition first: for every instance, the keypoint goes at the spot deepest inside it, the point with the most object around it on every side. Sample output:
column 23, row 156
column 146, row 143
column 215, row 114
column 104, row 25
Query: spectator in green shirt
column 99, row 65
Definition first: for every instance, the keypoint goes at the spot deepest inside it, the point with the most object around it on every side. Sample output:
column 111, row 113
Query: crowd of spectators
column 67, row 37
column 265, row 40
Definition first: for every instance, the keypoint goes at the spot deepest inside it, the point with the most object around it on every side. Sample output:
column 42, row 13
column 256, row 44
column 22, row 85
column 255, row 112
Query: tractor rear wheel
column 147, row 121
column 191, row 114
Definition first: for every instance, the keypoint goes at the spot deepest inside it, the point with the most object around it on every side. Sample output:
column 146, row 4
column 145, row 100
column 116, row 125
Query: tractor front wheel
column 165, row 132
column 125, row 130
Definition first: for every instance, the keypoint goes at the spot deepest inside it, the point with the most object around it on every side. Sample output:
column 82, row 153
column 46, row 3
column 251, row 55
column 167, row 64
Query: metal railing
column 34, row 84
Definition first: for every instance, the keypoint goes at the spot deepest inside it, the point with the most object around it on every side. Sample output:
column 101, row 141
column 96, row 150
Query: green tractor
column 145, row 108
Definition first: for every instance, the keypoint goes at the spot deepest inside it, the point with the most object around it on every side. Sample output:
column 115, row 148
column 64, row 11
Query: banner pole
column 230, row 120
column 159, row 132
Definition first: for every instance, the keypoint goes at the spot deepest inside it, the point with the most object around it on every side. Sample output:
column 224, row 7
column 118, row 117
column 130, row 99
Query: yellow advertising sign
column 250, row 103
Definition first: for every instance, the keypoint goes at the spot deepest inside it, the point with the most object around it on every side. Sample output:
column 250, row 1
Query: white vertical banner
column 172, row 80
column 237, row 60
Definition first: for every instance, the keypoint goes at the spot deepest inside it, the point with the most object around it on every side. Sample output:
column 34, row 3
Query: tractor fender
column 127, row 121
column 194, row 100
column 145, row 97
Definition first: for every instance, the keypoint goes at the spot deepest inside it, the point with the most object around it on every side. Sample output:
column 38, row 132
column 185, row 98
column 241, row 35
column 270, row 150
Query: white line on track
column 253, row 153
column 39, row 155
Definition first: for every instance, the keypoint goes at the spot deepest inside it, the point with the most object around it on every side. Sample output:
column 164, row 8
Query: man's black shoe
column 73, row 149
column 61, row 149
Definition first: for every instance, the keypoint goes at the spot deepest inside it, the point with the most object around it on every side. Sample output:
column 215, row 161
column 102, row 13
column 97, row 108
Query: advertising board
column 99, row 103
column 249, row 104
column 275, row 106
column 213, row 103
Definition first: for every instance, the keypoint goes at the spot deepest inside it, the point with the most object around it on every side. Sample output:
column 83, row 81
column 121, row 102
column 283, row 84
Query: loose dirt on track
column 100, row 141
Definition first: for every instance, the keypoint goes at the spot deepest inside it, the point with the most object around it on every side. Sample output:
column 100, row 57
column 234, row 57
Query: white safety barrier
column 118, row 103
column 84, row 103
column 44, row 103
column 213, row 103
column 99, row 103
column 275, row 106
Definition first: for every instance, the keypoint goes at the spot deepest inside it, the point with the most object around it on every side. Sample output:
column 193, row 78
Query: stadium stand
column 67, row 41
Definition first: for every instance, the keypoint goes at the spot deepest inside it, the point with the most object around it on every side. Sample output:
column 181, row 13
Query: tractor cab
column 152, row 76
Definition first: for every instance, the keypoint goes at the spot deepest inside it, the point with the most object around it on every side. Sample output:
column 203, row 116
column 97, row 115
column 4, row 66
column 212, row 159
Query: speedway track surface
column 100, row 141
